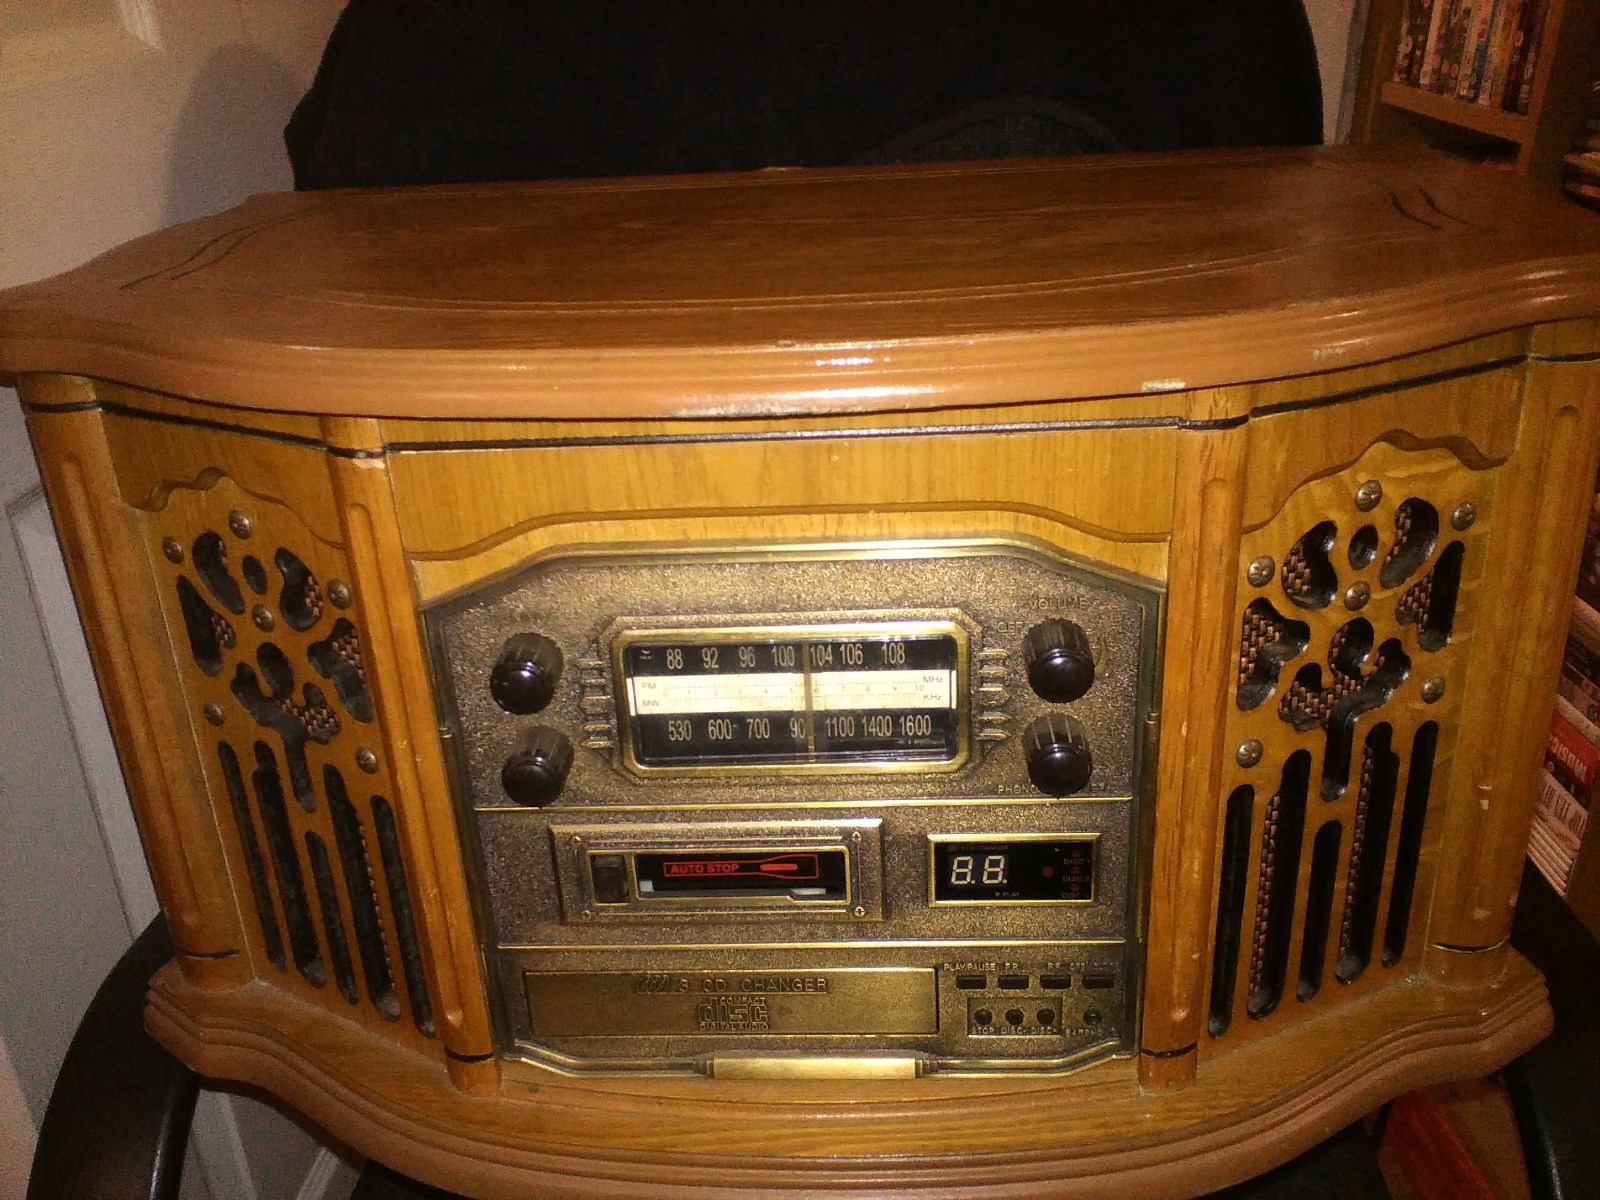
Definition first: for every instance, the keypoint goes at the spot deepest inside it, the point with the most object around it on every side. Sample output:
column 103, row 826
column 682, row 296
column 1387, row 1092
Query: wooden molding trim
column 568, row 1139
column 1039, row 269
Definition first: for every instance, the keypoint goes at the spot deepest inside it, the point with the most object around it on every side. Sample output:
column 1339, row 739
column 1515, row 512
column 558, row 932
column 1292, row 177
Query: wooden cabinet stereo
column 992, row 680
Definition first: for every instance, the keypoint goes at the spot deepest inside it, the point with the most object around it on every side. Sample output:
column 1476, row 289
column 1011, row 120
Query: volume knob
column 1057, row 754
column 1060, row 660
column 524, row 676
column 536, row 769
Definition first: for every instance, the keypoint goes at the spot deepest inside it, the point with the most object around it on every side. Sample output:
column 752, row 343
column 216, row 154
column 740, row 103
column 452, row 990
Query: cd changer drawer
column 976, row 1007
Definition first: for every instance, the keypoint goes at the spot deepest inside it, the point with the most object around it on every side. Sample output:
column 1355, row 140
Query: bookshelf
column 1533, row 144
column 1565, row 842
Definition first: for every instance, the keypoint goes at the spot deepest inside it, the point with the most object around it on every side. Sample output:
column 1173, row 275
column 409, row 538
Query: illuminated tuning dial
column 524, row 676
column 536, row 770
column 1057, row 754
column 1060, row 660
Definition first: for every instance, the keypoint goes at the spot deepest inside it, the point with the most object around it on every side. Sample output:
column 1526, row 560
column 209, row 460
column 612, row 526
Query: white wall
column 1330, row 27
column 117, row 117
column 16, row 1131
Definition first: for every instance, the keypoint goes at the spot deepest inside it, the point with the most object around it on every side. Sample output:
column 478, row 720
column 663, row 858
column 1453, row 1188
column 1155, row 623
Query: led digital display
column 998, row 870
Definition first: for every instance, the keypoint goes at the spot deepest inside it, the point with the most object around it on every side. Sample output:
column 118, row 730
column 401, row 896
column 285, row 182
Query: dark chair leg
column 118, row 1120
column 1555, row 1087
column 1345, row 1167
column 380, row 1183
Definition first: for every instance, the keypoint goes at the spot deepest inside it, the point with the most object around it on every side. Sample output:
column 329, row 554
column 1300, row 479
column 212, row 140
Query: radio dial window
column 828, row 698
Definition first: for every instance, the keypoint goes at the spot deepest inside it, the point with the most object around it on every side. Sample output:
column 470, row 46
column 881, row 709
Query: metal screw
column 1357, row 595
column 339, row 593
column 213, row 711
column 858, row 911
column 1368, row 495
column 173, row 549
column 263, row 618
column 1249, row 753
column 1260, row 570
column 855, row 835
column 241, row 525
column 1465, row 514
column 1433, row 689
column 367, row 760
column 576, row 840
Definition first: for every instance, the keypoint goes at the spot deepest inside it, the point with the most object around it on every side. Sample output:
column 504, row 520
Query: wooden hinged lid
column 815, row 291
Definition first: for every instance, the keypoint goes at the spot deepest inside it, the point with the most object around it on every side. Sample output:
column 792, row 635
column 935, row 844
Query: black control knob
column 1060, row 660
column 536, row 769
column 1057, row 753
column 524, row 676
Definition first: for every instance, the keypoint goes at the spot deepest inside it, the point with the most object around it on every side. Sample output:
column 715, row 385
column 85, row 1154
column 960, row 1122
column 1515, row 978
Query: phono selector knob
column 536, row 769
column 524, row 676
column 1060, row 660
column 1057, row 754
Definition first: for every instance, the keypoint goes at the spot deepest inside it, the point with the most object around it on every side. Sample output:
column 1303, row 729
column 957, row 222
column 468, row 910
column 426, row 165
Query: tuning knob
column 524, row 676
column 1057, row 753
column 1060, row 660
column 536, row 769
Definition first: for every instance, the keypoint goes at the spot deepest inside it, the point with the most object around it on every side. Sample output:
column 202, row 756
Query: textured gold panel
column 742, row 1003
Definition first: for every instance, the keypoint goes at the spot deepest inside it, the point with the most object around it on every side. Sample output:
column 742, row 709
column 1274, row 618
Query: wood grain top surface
column 797, row 291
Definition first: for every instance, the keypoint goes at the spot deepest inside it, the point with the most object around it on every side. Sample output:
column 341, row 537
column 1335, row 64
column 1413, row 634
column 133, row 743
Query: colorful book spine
column 1530, row 58
column 1586, row 620
column 1521, row 36
column 1562, row 808
column 1506, row 15
column 1429, row 71
column 1582, row 697
column 1558, row 826
column 1452, row 46
column 1413, row 41
column 1585, row 727
column 1573, row 759
column 1475, row 49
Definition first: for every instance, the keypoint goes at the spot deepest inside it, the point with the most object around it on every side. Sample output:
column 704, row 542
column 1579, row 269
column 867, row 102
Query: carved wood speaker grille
column 1355, row 603
column 267, row 642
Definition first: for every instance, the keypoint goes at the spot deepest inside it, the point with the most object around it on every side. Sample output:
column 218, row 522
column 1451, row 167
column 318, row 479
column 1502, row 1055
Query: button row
column 1019, row 983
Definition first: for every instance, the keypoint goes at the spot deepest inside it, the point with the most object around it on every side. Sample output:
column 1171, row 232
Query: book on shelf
column 1572, row 753
column 1586, row 163
column 1451, row 47
column 1559, row 822
column 1550, row 860
column 1580, row 693
column 1492, row 85
column 1429, row 67
column 1582, row 190
column 1579, row 722
column 1483, row 52
column 1573, row 760
column 1475, row 49
column 1533, row 27
column 1582, row 180
column 1585, row 617
column 1414, row 27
